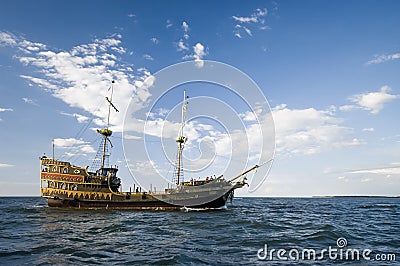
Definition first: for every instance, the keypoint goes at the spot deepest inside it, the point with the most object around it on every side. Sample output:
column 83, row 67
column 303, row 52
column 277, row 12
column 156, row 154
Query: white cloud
column 40, row 82
column 100, row 122
column 130, row 137
column 74, row 144
column 26, row 46
column 85, row 70
column 185, row 26
column 378, row 59
column 80, row 118
column 148, row 57
column 87, row 149
column 182, row 46
column 7, row 39
column 247, row 31
column 261, row 12
column 154, row 40
column 30, row 101
column 297, row 132
column 366, row 179
column 5, row 110
column 108, row 42
column 248, row 116
column 2, row 165
column 159, row 113
column 199, row 50
column 374, row 101
column 138, row 167
column 119, row 50
column 131, row 15
column 199, row 53
column 186, row 29
column 378, row 171
column 264, row 27
column 168, row 24
column 157, row 127
column 343, row 178
column 370, row 129
column 348, row 107
column 246, row 19
column 69, row 142
column 29, row 47
column 257, row 19
column 309, row 131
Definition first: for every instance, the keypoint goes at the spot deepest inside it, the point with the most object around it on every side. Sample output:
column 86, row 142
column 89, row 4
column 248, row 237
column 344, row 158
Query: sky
column 329, row 70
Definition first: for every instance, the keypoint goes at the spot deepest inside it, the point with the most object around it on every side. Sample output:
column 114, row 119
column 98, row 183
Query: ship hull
column 153, row 204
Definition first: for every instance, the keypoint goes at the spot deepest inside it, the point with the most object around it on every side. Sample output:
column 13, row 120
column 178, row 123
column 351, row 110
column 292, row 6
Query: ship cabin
column 62, row 178
column 110, row 172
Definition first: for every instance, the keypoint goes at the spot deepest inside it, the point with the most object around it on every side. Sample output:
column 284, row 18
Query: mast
column 53, row 149
column 106, row 132
column 245, row 172
column 181, row 139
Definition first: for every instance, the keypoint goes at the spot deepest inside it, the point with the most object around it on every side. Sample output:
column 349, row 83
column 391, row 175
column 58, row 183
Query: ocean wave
column 33, row 234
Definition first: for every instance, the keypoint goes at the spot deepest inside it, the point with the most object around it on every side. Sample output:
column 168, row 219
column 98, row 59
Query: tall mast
column 53, row 149
column 106, row 132
column 110, row 103
column 181, row 139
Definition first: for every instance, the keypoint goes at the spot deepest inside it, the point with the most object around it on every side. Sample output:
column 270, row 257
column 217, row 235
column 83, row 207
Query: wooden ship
column 65, row 185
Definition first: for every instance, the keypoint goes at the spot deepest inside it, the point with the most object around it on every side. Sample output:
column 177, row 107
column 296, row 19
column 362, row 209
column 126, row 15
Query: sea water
column 250, row 231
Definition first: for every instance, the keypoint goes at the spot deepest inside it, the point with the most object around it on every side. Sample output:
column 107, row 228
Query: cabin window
column 44, row 184
column 44, row 168
column 77, row 171
column 62, row 186
column 65, row 171
column 55, row 169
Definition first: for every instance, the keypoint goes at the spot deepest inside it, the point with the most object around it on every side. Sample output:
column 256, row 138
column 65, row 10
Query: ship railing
column 53, row 161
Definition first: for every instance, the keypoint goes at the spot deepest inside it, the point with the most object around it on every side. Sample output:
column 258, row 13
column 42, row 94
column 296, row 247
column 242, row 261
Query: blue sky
column 329, row 70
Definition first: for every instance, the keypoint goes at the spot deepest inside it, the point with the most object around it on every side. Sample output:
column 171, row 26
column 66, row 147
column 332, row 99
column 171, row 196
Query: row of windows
column 55, row 170
column 63, row 186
